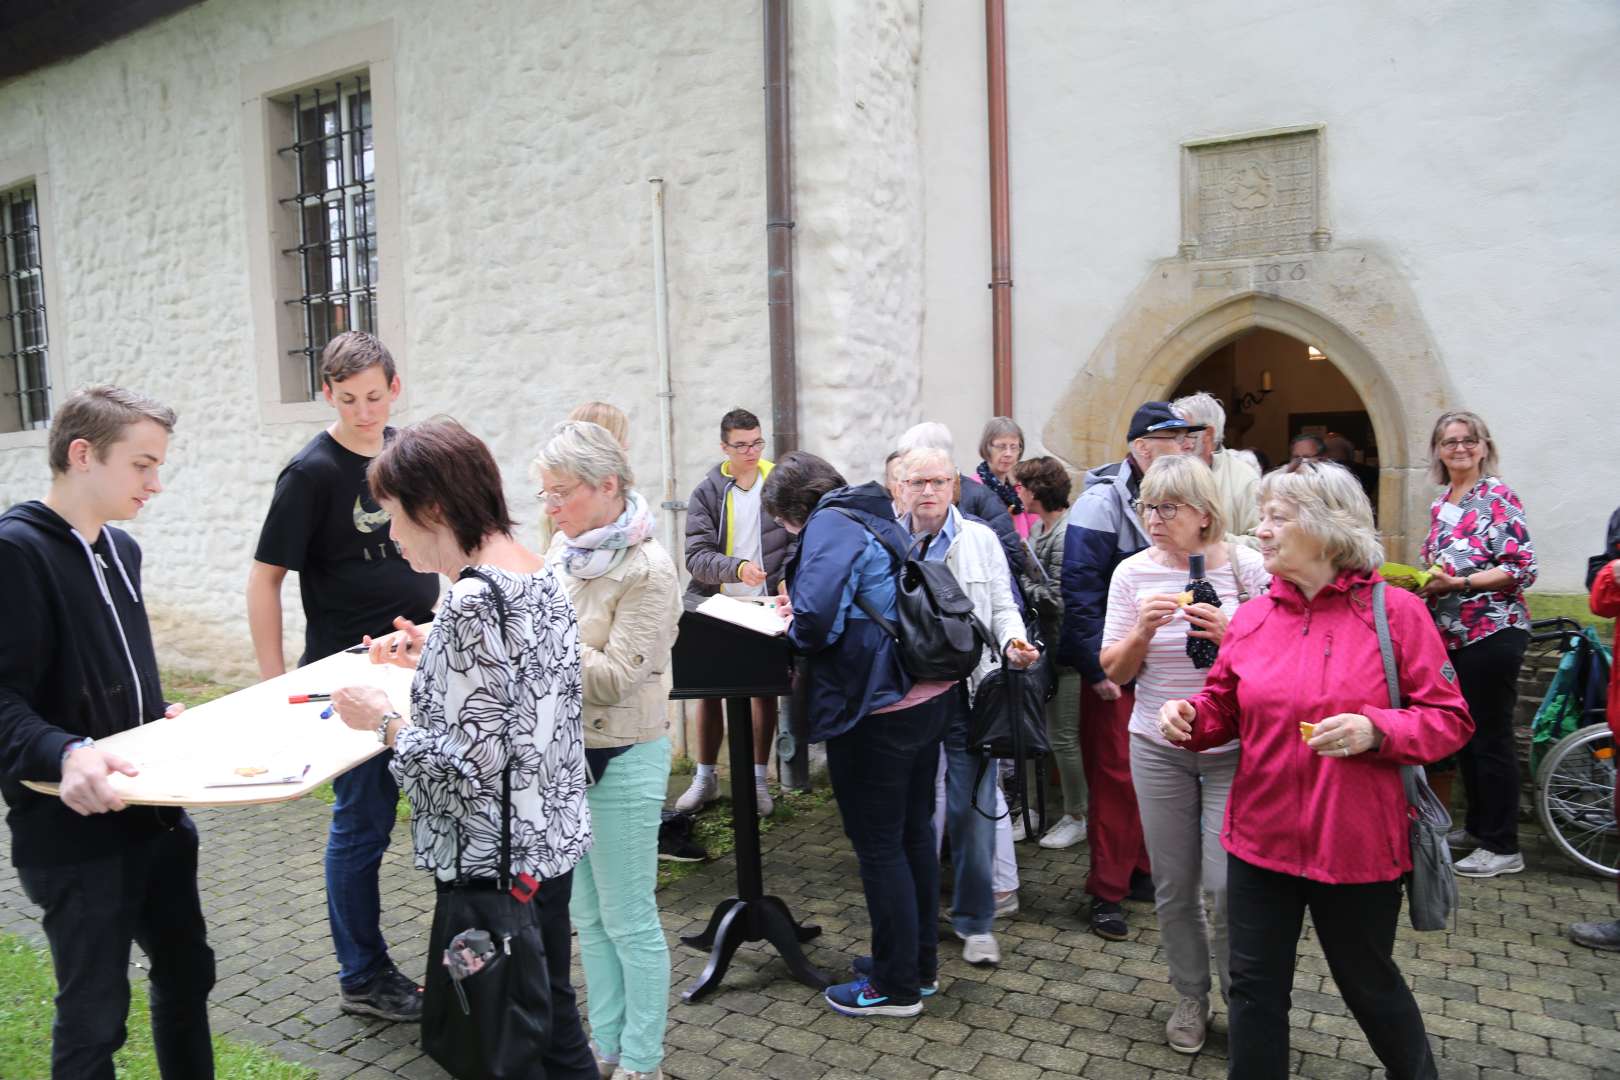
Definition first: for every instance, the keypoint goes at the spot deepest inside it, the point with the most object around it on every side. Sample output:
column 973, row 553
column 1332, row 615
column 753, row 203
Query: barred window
column 335, row 202
column 25, row 385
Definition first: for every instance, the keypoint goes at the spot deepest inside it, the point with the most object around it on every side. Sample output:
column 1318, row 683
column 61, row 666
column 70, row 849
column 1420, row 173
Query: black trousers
column 1488, row 675
column 94, row 910
column 1356, row 926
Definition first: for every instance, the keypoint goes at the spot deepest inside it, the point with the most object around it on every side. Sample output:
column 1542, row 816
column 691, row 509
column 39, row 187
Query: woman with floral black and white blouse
column 497, row 687
column 624, row 590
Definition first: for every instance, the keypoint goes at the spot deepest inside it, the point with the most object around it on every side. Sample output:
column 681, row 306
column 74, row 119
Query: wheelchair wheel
column 1575, row 799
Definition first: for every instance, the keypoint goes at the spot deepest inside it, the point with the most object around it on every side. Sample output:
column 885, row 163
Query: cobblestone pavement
column 1505, row 995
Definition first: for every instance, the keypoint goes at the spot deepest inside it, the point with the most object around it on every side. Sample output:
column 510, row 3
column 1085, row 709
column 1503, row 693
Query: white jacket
column 980, row 565
column 1237, row 479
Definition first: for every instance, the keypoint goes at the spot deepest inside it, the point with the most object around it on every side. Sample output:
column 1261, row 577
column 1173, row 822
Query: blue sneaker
column 860, row 998
column 862, row 966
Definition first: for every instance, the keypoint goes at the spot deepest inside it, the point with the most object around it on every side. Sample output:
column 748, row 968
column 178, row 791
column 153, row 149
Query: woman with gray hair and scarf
column 623, row 587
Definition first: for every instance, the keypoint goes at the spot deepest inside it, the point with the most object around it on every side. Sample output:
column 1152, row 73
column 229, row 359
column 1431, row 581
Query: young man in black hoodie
column 76, row 665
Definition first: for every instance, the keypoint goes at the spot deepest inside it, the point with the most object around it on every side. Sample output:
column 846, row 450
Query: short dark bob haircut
column 795, row 486
column 442, row 474
column 1046, row 479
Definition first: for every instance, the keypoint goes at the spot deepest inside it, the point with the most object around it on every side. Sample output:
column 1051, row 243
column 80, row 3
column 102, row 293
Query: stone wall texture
column 1473, row 150
column 526, row 135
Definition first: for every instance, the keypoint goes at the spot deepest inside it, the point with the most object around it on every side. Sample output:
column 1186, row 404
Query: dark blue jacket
column 853, row 666
column 1103, row 532
column 979, row 502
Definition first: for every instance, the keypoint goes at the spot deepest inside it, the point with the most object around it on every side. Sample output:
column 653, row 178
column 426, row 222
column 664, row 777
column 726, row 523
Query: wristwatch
column 382, row 728
column 1468, row 584
column 74, row 745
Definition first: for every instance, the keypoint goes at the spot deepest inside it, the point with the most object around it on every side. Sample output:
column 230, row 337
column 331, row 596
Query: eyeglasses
column 1453, row 444
column 746, row 447
column 923, row 483
column 1166, row 511
column 1007, row 447
column 556, row 498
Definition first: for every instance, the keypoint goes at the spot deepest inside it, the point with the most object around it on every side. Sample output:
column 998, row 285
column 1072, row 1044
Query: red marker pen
column 299, row 699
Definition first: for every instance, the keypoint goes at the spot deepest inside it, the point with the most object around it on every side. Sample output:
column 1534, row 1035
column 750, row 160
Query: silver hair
column 1204, row 408
column 930, row 435
column 1184, row 478
column 922, row 456
column 994, row 429
column 1330, row 507
column 588, row 451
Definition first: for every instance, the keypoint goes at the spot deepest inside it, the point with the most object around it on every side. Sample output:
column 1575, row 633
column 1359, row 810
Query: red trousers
column 1114, row 823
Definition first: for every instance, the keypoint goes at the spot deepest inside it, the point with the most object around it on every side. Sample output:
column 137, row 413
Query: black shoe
column 1108, row 921
column 1141, row 887
column 675, row 843
column 1597, row 935
column 390, row 996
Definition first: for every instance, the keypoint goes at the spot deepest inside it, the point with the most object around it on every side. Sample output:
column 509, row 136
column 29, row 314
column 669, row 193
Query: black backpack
column 939, row 637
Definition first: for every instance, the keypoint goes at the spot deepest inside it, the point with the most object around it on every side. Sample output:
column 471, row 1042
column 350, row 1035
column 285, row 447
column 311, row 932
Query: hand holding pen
column 402, row 648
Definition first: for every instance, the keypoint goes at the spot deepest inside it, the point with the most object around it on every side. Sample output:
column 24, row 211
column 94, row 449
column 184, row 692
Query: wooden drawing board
column 180, row 758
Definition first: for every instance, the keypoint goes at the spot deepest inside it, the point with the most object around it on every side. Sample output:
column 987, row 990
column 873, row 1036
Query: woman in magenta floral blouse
column 1480, row 546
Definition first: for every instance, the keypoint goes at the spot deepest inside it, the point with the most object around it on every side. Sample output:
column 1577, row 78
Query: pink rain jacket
column 1285, row 661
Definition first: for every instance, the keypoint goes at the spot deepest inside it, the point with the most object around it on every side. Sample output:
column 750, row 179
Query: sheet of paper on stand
column 760, row 618
column 245, row 748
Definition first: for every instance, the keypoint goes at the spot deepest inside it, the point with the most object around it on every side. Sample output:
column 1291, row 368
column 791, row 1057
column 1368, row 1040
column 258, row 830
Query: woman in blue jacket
column 882, row 730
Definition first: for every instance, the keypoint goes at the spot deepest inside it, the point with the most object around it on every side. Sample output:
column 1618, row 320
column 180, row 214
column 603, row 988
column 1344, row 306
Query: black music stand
column 714, row 659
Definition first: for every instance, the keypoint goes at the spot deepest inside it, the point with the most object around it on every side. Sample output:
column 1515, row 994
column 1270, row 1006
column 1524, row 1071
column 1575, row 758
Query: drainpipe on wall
column 995, row 26
column 793, row 747
column 779, row 232
column 672, row 506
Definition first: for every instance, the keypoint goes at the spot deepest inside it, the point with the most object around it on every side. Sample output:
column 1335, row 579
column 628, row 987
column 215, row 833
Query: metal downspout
column 995, row 25
column 779, row 232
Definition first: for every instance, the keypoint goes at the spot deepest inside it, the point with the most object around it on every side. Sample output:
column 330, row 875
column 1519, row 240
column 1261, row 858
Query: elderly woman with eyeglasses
column 1317, row 816
column 1479, row 548
column 1181, row 793
column 1001, row 445
column 623, row 588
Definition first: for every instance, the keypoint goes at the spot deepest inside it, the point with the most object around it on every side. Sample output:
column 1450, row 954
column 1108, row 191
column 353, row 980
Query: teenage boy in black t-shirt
column 76, row 665
column 324, row 524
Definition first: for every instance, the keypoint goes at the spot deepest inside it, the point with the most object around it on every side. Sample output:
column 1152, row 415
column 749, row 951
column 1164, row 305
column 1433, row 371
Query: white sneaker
column 980, row 948
column 1188, row 1025
column 704, row 790
column 1068, row 832
column 762, row 798
column 1018, row 833
column 1006, row 903
column 1484, row 863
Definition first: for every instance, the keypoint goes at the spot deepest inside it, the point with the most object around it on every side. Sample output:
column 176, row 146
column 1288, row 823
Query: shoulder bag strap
column 1386, row 649
column 899, row 561
column 503, row 874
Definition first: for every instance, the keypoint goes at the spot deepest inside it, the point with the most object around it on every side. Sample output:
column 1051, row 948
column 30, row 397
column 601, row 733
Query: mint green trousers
column 615, row 910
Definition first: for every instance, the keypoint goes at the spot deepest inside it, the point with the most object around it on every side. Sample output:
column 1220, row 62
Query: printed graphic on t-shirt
column 367, row 520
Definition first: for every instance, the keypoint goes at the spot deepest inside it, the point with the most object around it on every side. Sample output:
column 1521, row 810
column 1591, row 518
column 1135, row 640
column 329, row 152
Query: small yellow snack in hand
column 1306, row 730
column 251, row 770
column 1184, row 598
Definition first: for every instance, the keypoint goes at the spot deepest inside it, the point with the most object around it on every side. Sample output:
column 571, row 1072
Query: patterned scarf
column 1004, row 492
column 592, row 554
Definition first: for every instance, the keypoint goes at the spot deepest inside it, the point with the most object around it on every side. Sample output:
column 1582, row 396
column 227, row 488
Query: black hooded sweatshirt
column 76, row 660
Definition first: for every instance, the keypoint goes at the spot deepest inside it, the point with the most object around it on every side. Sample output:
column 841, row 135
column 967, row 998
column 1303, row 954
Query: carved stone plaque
column 1252, row 196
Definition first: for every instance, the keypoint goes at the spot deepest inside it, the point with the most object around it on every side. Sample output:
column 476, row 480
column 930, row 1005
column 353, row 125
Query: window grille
column 336, row 206
column 24, row 345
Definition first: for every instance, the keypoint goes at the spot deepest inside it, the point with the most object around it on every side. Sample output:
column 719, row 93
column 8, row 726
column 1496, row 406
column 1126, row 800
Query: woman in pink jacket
column 1319, row 822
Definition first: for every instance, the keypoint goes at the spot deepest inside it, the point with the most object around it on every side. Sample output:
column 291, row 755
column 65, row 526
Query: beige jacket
column 627, row 624
column 1237, row 479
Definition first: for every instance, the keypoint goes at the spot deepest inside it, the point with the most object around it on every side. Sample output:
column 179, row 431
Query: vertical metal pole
column 672, row 505
column 779, row 231
column 995, row 19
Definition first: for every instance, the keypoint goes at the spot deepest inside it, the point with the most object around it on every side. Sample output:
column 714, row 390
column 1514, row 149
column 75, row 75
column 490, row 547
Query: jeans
column 1115, row 829
column 94, row 910
column 362, row 822
column 1182, row 796
column 1356, row 926
column 1063, row 731
column 972, row 832
column 1488, row 675
column 882, row 773
column 615, row 911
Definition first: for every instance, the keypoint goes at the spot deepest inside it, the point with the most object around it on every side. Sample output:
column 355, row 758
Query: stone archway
column 1351, row 304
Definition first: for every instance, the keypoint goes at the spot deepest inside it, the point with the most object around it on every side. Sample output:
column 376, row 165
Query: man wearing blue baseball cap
column 1104, row 530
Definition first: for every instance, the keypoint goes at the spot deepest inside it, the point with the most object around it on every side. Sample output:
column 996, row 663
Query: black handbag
column 1431, row 887
column 494, row 1024
column 1009, row 721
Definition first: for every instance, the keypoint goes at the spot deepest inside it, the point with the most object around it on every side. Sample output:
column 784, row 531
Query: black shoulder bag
column 1431, row 887
column 939, row 637
column 486, row 1011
